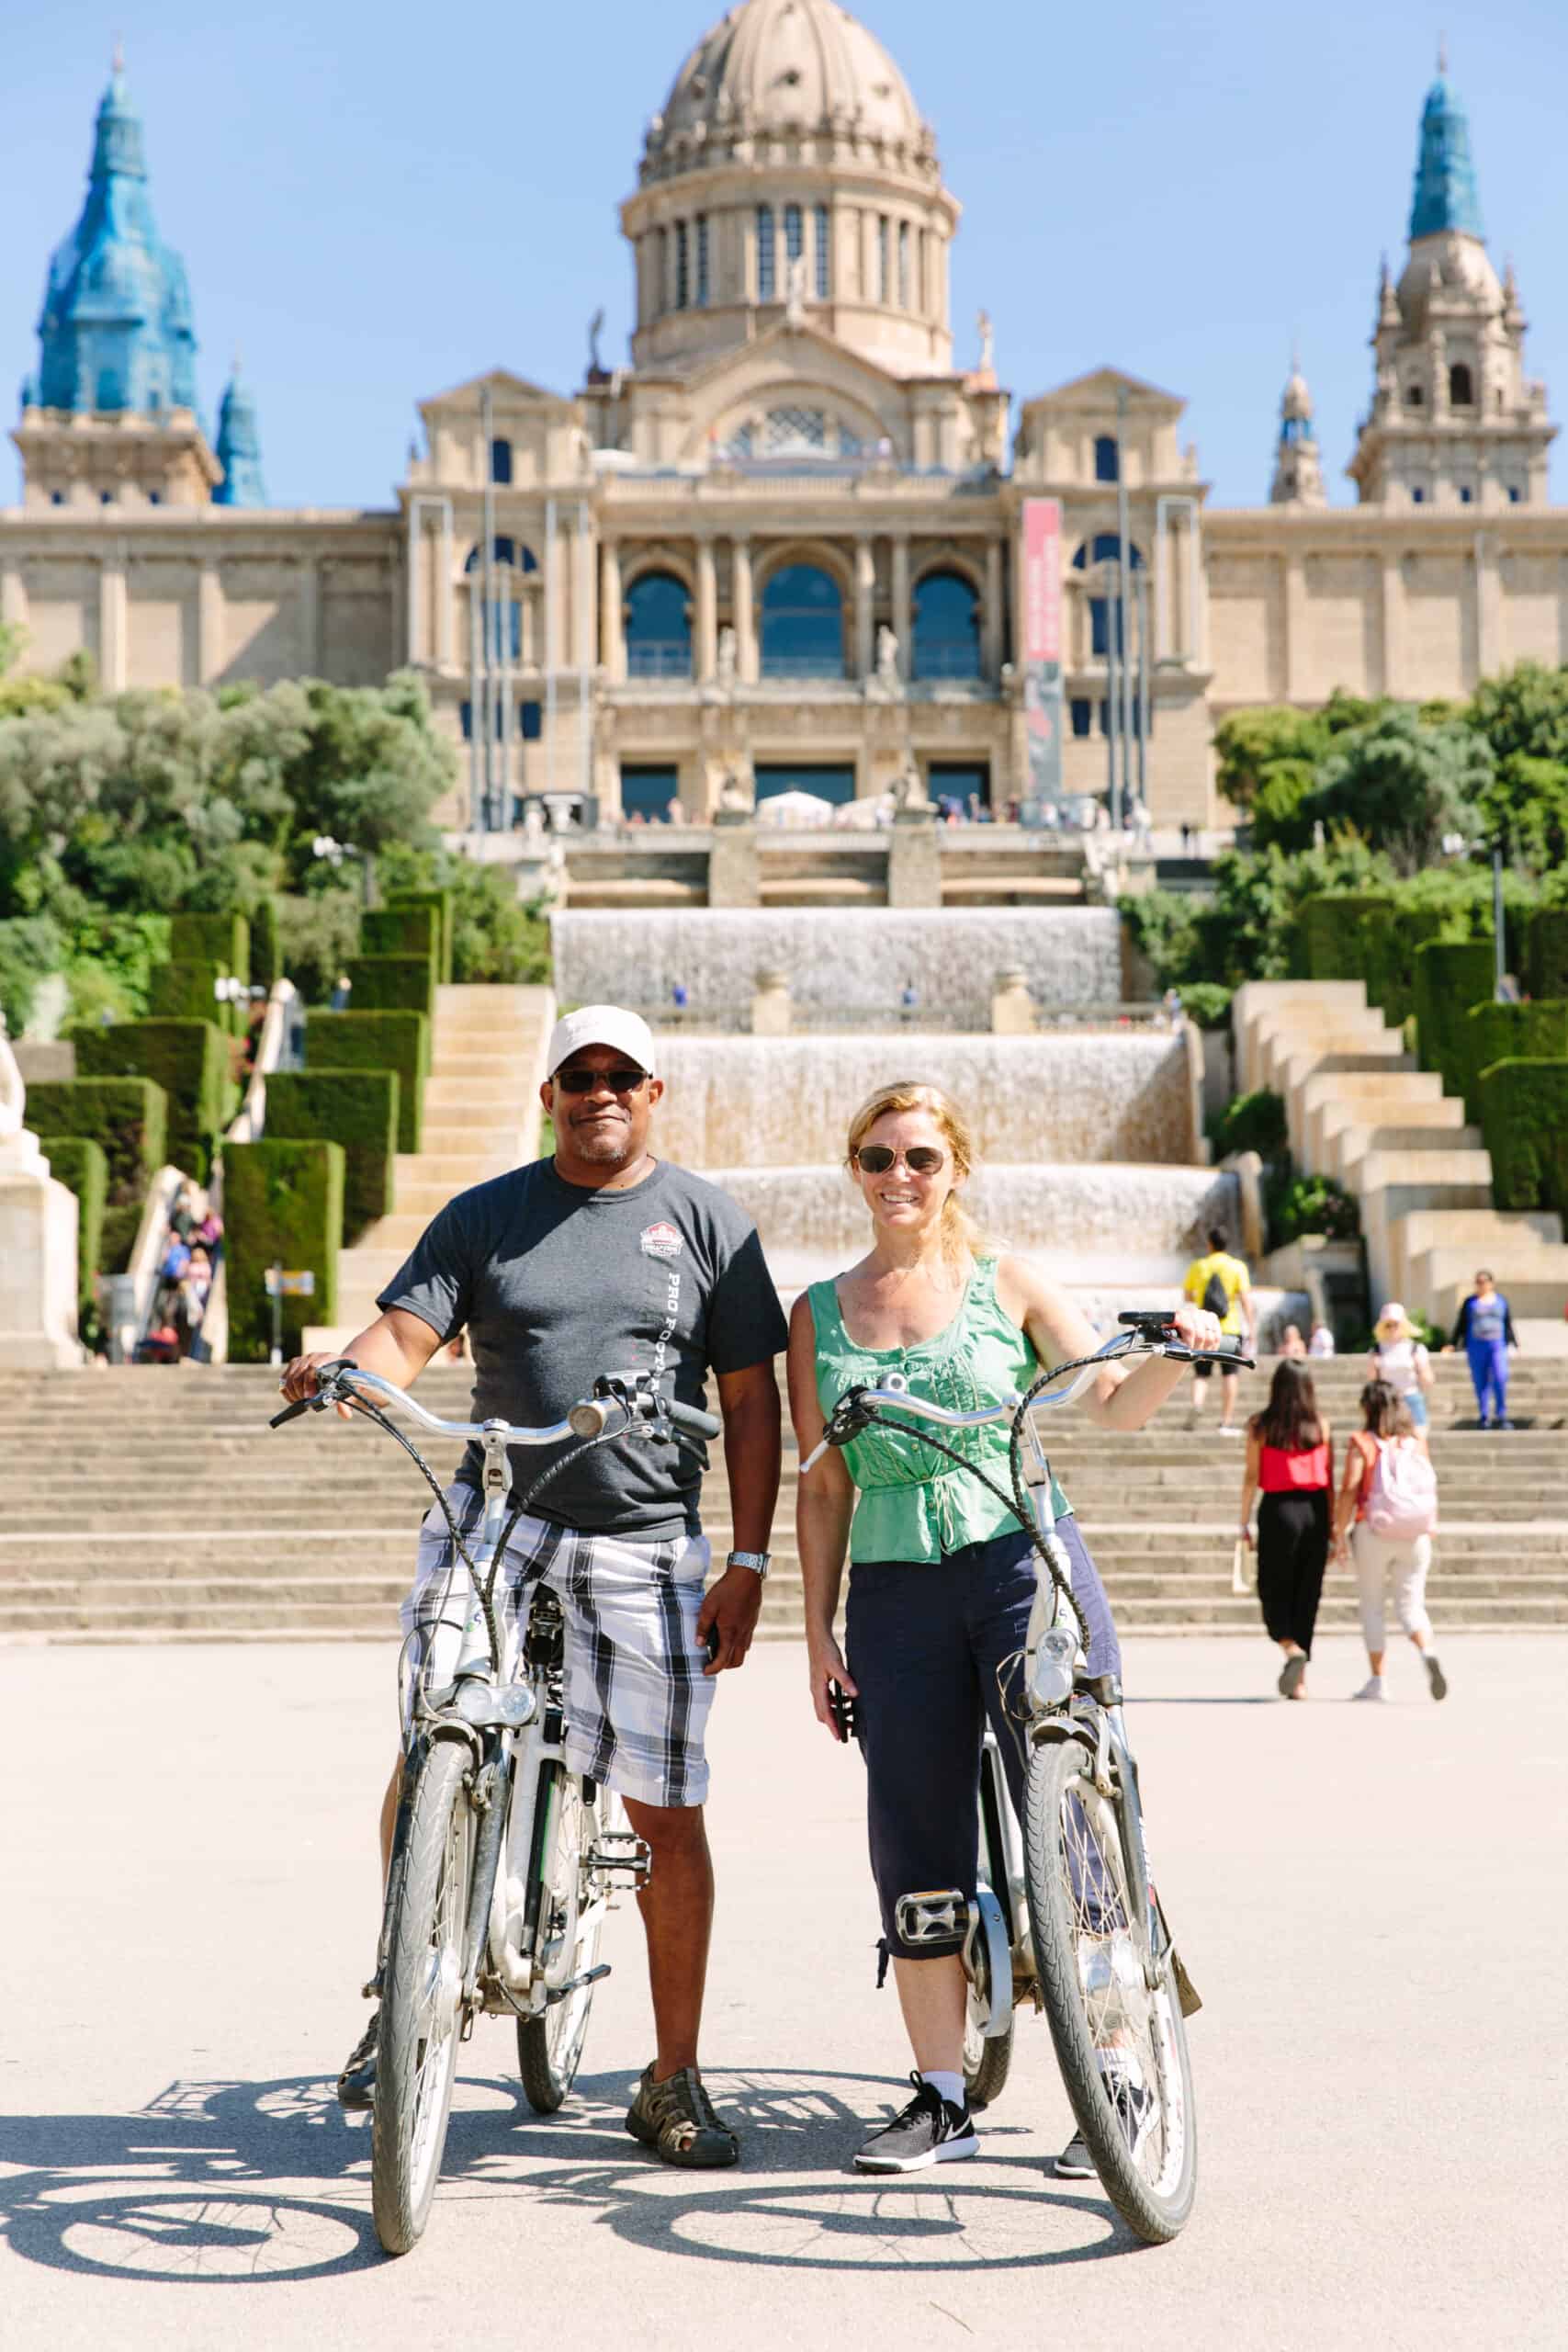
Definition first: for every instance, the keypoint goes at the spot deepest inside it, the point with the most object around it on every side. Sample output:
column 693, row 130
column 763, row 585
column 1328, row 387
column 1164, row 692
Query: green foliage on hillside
column 1524, row 1117
column 282, row 1206
column 190, row 1060
column 356, row 1108
column 80, row 1165
column 128, row 1120
column 396, row 1041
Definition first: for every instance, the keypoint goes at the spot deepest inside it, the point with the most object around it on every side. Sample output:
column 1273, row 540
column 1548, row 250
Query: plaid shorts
column 637, row 1698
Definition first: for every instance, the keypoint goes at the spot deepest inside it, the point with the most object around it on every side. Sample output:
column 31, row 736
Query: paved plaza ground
column 1372, row 1901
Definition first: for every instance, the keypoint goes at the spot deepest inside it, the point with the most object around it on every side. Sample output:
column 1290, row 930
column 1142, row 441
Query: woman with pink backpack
column 1388, row 1504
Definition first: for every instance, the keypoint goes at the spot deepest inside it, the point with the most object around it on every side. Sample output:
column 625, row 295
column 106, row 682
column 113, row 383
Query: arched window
column 767, row 266
column 501, row 623
column 824, row 253
column 1105, row 466
column 1413, row 396
column 658, row 628
column 803, row 624
column 701, row 245
column 682, row 265
column 501, row 462
column 884, row 260
column 1462, row 386
column 795, row 231
column 947, row 626
column 1106, row 548
column 904, row 292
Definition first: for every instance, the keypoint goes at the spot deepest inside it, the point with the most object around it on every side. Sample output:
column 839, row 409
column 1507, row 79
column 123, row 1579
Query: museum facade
column 784, row 543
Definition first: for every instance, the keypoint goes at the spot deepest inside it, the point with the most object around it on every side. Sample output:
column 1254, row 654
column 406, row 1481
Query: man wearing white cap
column 607, row 1259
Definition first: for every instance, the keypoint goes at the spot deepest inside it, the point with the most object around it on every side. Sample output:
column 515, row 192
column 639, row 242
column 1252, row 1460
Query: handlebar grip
column 687, row 1417
column 292, row 1412
column 588, row 1419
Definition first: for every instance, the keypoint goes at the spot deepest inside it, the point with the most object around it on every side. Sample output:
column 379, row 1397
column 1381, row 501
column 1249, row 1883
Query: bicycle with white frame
column 503, row 1860
column 1065, row 1904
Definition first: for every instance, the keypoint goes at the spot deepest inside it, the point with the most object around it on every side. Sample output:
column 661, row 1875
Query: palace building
column 785, row 542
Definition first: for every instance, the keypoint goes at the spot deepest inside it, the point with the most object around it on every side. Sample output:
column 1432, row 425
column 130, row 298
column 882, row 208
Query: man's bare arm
column 749, row 1401
column 398, row 1346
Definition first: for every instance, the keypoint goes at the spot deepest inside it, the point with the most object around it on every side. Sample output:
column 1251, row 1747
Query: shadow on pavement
column 196, row 2187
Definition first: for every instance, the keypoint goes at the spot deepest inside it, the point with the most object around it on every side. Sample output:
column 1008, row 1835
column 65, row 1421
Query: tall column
column 1292, row 667
column 865, row 609
column 1392, row 609
column 1488, row 608
column 707, row 644
column 745, row 614
column 612, row 613
column 992, row 619
column 208, row 621
column 309, row 616
column 113, row 619
column 555, row 635
column 901, row 599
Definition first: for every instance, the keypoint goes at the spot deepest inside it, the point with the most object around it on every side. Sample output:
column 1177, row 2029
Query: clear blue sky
column 1180, row 190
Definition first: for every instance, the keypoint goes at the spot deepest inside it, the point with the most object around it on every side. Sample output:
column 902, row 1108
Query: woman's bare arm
column 1251, row 1471
column 1122, row 1398
column 824, row 1507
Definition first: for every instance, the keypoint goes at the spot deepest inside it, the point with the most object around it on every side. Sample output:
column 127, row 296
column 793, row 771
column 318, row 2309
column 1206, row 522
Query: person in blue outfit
column 1485, row 1331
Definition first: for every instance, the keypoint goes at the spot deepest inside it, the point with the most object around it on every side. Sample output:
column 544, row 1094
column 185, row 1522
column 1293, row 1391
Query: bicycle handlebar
column 590, row 1417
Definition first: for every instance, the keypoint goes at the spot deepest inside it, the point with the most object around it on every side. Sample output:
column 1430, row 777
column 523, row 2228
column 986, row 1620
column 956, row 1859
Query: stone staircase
column 153, row 1503
column 481, row 1116
column 1361, row 1111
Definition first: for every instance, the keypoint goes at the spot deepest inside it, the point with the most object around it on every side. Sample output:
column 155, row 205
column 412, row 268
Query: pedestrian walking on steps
column 1220, row 1284
column 1397, row 1356
column 1387, row 1506
column 1485, row 1331
column 1289, row 1460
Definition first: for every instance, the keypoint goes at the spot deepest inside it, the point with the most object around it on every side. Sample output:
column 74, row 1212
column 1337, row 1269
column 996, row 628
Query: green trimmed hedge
column 443, row 906
column 392, row 983
column 183, row 991
column 1389, row 936
column 1524, row 1116
column 81, row 1167
column 1499, row 1032
column 267, row 948
column 1331, row 933
column 1546, row 952
column 223, row 940
column 189, row 1059
column 1254, row 1122
column 357, row 1108
column 398, row 1041
column 1450, row 976
column 403, row 931
column 282, row 1206
column 127, row 1119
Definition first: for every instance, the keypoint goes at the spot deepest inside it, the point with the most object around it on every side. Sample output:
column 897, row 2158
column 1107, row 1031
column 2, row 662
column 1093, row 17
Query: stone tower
column 111, row 412
column 239, row 446
column 1298, row 473
column 1454, row 421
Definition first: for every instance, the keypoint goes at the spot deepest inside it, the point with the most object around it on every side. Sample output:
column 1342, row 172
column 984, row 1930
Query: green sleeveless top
column 914, row 1504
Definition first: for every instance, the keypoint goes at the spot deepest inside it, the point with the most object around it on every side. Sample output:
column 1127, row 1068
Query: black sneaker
column 676, row 2119
column 1437, row 1679
column 1075, row 2163
column 931, row 2131
column 356, row 2084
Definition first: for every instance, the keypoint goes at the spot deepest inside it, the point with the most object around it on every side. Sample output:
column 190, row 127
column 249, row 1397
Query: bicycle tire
column 415, row 2069
column 549, row 2048
column 1083, row 1920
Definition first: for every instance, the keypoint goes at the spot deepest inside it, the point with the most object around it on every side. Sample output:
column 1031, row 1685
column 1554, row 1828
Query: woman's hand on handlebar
column 1196, row 1330
column 826, row 1665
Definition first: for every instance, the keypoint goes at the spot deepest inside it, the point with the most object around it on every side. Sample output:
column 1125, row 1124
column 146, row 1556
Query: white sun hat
column 601, row 1024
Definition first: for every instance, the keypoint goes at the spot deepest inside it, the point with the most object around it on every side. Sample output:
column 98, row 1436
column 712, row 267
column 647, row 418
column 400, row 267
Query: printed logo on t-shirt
column 662, row 1241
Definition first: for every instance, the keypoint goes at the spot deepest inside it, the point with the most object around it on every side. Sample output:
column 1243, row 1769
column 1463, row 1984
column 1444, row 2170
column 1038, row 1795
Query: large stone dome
column 790, row 69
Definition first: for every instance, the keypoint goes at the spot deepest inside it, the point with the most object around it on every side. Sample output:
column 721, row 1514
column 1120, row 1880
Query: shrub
column 1524, row 1117
column 223, row 940
column 282, row 1206
column 183, row 991
column 127, row 1119
column 1546, row 954
column 1496, row 1032
column 266, row 946
column 1390, row 936
column 357, row 1108
column 1207, row 1003
column 398, row 1041
column 392, row 983
column 31, row 948
column 406, row 928
column 1294, row 1205
column 189, row 1059
column 316, row 937
column 1333, row 928
column 438, row 907
column 1254, row 1122
column 1450, row 976
column 80, row 1165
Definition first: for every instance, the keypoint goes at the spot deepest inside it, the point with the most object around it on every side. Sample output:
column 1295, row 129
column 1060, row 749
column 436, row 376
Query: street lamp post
column 337, row 855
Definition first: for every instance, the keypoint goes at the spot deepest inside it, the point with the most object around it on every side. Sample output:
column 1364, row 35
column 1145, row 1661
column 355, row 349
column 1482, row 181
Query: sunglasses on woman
column 920, row 1159
column 583, row 1081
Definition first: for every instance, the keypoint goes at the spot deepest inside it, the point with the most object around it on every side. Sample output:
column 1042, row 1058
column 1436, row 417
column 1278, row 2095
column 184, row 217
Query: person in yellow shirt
column 1222, row 1284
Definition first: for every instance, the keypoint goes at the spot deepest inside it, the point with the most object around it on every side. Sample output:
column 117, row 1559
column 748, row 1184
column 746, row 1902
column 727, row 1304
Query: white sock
column 950, row 2086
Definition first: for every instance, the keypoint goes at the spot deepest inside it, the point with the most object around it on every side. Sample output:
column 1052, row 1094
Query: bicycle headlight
column 485, row 1708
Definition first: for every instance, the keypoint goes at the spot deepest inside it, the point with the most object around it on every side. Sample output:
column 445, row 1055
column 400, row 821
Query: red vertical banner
column 1042, row 652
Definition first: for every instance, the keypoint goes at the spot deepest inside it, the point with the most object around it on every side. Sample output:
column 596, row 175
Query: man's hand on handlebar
column 299, row 1383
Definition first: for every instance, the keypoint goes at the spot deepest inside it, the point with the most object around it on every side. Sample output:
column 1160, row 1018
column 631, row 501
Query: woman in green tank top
column 941, row 1577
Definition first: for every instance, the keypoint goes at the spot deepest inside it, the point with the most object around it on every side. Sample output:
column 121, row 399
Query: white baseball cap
column 601, row 1024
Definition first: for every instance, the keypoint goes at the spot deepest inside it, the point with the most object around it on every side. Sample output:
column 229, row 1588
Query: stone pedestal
column 1013, row 1007
column 771, row 1012
column 37, row 1260
column 732, row 861
column 914, row 861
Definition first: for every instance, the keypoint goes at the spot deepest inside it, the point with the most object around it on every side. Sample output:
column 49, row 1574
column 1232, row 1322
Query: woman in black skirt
column 1290, row 1456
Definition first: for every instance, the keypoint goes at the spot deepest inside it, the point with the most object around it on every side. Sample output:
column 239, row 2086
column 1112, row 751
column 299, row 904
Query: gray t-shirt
column 556, row 1283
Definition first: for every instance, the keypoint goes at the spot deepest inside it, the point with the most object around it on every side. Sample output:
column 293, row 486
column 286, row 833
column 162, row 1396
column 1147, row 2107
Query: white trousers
column 1375, row 1555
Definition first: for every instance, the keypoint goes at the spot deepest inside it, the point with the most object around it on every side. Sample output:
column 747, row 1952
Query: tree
column 1403, row 785
column 1523, row 712
column 1251, row 744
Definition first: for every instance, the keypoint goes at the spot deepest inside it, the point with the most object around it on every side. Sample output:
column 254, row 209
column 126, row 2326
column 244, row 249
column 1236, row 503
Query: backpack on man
column 1216, row 1299
column 1403, row 1503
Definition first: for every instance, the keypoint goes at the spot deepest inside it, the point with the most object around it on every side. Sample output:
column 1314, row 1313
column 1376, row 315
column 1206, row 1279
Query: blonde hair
column 960, row 1237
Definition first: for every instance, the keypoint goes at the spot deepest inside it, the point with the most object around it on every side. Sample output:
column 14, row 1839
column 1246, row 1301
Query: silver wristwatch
column 756, row 1561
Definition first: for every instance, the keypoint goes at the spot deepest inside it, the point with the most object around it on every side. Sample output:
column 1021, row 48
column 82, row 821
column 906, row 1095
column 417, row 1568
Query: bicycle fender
column 992, row 1927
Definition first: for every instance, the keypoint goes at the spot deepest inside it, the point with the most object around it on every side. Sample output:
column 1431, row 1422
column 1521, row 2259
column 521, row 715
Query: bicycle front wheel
column 1121, row 2046
column 421, row 2002
column 549, row 2048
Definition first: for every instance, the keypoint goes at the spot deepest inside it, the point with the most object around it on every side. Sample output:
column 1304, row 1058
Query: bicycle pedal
column 589, row 1976
column 938, row 1916
column 621, row 1853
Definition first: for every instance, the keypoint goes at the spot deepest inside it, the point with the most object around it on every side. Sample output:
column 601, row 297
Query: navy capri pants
column 923, row 1647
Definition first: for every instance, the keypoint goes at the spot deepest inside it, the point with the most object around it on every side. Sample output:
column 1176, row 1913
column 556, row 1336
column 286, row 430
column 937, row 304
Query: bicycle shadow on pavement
column 245, row 2184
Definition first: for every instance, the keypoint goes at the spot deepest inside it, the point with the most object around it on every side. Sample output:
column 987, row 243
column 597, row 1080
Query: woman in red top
column 1289, row 1456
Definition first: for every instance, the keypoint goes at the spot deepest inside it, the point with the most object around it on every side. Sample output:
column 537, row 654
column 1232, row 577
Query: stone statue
column 988, row 343
column 887, row 657
column 726, row 657
column 595, row 329
column 908, row 793
column 733, row 797
column 795, row 302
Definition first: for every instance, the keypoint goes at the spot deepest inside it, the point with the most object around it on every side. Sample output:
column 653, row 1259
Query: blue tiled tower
column 1445, row 195
column 239, row 446
column 116, row 333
